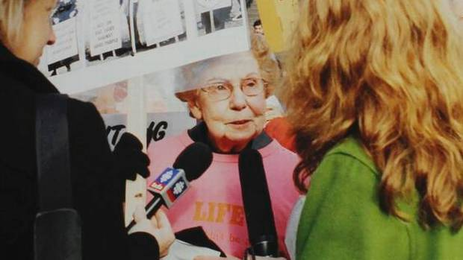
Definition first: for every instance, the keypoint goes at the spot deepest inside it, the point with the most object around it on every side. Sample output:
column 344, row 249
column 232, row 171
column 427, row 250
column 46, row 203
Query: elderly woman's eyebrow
column 217, row 80
column 252, row 74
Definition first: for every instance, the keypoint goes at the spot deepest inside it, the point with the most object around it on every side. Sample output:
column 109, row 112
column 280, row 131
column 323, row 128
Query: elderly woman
column 97, row 177
column 230, row 104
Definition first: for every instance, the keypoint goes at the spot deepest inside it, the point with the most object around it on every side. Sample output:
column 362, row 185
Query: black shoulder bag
column 57, row 227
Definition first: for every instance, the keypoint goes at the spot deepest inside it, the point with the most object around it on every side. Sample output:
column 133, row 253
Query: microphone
column 174, row 181
column 257, row 205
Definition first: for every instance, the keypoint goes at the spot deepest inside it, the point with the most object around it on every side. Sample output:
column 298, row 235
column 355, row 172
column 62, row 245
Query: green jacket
column 342, row 219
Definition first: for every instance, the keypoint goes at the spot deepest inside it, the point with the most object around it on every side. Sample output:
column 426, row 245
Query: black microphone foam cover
column 257, row 203
column 194, row 160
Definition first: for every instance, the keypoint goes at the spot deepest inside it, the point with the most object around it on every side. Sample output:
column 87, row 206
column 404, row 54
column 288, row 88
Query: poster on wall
column 159, row 22
column 216, row 15
column 63, row 56
column 108, row 41
column 105, row 27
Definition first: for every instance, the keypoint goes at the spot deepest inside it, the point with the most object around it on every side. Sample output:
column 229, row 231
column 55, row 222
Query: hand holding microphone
column 158, row 226
column 172, row 183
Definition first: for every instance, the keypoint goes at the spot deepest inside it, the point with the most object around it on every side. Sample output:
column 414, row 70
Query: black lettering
column 160, row 130
column 149, row 133
column 116, row 129
column 156, row 132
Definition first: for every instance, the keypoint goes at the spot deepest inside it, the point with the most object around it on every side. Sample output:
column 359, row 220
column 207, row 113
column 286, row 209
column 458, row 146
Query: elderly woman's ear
column 195, row 109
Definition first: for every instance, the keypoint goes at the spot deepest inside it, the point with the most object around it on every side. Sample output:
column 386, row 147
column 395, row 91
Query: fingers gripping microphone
column 257, row 205
column 173, row 182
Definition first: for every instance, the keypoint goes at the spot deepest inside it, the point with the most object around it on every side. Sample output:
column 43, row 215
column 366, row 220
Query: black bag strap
column 52, row 147
column 57, row 226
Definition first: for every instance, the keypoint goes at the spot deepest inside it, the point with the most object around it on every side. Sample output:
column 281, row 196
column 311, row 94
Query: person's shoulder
column 278, row 158
column 351, row 148
column 79, row 104
column 83, row 112
column 274, row 148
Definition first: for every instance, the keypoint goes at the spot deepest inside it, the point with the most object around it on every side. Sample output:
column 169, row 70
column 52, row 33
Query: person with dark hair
column 375, row 98
column 97, row 175
column 258, row 27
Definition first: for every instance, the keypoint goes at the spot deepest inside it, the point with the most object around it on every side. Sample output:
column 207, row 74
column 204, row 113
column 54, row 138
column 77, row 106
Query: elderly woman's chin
column 245, row 135
column 234, row 137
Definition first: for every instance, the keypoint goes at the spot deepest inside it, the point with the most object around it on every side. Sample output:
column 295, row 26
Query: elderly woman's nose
column 238, row 99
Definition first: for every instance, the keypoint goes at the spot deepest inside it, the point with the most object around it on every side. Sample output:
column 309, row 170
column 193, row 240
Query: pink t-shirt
column 214, row 200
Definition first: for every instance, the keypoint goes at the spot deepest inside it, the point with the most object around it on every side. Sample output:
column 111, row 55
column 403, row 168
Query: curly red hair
column 390, row 73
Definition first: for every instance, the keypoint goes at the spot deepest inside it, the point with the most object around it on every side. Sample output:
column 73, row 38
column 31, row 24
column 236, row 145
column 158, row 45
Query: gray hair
column 187, row 87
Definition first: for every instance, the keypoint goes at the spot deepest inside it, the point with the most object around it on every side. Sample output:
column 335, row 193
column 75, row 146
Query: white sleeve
column 291, row 228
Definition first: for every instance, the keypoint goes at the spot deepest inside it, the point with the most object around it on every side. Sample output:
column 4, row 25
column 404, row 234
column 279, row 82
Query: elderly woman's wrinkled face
column 231, row 101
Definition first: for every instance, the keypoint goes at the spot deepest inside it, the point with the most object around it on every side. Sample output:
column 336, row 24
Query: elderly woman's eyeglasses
column 222, row 90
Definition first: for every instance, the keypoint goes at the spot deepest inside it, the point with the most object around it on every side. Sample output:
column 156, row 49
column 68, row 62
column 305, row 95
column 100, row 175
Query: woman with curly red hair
column 375, row 96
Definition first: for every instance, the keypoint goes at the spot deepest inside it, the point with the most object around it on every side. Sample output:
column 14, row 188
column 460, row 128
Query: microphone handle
column 150, row 208
column 266, row 248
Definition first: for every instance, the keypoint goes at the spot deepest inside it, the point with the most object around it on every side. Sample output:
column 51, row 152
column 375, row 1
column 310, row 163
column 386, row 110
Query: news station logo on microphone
column 170, row 185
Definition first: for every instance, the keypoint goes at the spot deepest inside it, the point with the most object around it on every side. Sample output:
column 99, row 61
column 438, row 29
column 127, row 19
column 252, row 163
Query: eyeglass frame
column 260, row 80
